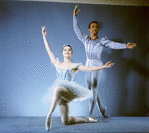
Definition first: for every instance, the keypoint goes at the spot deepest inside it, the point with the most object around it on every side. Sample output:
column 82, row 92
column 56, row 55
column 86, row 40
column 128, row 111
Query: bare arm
column 50, row 53
column 95, row 68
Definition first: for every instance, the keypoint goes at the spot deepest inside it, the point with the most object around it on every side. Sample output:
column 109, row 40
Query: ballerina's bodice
column 66, row 74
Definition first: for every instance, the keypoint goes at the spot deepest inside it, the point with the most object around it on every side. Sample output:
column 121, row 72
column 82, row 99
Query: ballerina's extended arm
column 95, row 68
column 50, row 53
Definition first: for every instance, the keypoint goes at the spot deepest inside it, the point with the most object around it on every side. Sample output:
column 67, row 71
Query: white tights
column 92, row 80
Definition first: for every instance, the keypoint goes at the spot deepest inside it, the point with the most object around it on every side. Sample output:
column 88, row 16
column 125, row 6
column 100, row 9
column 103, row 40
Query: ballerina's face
column 67, row 51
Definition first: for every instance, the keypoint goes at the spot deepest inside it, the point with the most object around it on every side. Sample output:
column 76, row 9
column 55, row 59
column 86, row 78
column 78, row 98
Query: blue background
column 26, row 70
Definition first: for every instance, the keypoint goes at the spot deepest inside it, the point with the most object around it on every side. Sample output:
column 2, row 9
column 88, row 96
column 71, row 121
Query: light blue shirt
column 94, row 48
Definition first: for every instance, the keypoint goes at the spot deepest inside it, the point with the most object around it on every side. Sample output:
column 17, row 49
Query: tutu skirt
column 81, row 93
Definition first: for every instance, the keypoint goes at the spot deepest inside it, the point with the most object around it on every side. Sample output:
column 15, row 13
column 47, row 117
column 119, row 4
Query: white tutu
column 79, row 91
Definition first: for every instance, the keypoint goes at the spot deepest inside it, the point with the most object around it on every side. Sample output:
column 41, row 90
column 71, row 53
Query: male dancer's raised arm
column 104, row 41
column 76, row 27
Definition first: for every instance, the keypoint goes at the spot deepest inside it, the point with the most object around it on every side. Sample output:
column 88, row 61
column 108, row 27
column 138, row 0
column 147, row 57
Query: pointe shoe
column 103, row 112
column 91, row 119
column 48, row 123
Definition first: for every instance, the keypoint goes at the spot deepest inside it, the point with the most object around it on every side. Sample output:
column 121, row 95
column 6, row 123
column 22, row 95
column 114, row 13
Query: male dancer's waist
column 93, row 62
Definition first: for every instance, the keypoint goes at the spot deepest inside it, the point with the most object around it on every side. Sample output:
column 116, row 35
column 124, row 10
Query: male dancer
column 93, row 47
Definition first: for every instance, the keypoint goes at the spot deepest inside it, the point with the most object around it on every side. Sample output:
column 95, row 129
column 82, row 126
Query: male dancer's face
column 94, row 29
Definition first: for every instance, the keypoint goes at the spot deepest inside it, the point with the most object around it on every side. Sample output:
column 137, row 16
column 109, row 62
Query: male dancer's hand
column 76, row 11
column 44, row 31
column 109, row 64
column 131, row 45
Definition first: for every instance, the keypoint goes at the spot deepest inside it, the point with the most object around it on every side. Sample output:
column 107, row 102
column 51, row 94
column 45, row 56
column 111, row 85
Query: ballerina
column 65, row 89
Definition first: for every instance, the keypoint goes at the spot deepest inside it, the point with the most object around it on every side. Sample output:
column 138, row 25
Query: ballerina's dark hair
column 67, row 46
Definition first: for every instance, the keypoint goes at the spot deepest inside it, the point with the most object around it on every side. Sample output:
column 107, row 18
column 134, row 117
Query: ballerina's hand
column 44, row 32
column 75, row 12
column 109, row 64
column 131, row 45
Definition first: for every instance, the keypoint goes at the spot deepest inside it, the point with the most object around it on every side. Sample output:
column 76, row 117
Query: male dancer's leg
column 96, row 81
column 93, row 79
column 89, row 82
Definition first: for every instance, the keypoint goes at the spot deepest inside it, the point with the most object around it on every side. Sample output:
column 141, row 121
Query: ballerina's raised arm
column 50, row 53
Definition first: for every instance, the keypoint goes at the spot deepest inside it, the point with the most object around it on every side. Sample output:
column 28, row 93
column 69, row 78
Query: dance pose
column 93, row 47
column 65, row 89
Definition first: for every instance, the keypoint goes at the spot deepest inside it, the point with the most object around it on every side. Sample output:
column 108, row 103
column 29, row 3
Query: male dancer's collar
column 94, row 39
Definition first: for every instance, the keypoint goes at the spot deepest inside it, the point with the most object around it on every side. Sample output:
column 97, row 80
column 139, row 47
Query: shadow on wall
column 133, row 77
column 134, row 94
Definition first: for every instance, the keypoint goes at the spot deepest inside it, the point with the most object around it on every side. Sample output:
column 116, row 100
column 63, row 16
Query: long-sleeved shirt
column 94, row 47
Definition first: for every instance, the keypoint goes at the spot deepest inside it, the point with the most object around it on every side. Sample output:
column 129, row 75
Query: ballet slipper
column 103, row 112
column 48, row 123
column 90, row 119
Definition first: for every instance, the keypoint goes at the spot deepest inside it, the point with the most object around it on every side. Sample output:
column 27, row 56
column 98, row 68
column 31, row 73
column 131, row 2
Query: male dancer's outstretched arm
column 104, row 41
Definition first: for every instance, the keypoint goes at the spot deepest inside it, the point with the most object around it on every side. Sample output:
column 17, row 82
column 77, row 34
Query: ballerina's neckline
column 63, row 68
column 68, row 67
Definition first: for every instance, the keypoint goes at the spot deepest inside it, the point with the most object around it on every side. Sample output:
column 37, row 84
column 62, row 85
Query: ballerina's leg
column 59, row 93
column 55, row 100
column 64, row 107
